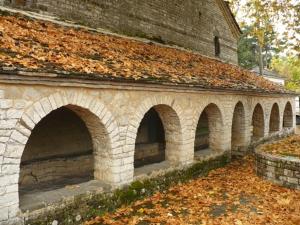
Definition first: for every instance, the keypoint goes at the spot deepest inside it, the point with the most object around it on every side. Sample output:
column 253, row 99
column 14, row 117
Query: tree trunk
column 260, row 60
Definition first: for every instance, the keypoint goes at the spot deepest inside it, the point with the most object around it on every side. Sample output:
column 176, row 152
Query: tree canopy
column 271, row 36
column 290, row 67
column 267, row 16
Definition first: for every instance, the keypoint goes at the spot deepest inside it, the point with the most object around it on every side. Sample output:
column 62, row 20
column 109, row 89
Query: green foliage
column 248, row 49
column 289, row 67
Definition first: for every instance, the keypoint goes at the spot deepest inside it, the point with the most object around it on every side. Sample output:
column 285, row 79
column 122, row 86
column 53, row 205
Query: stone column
column 10, row 150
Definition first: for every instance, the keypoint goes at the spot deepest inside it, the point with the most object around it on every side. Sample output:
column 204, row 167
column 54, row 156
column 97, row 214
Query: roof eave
column 230, row 18
column 51, row 79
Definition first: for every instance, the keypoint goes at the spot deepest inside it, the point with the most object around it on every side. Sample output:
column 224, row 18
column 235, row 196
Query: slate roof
column 268, row 73
column 33, row 45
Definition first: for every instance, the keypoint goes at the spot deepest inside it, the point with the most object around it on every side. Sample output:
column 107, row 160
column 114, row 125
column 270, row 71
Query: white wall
column 297, row 105
column 275, row 80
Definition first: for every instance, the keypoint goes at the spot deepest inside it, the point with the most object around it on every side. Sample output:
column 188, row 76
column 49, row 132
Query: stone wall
column 112, row 113
column 146, row 154
column 191, row 24
column 282, row 170
column 52, row 171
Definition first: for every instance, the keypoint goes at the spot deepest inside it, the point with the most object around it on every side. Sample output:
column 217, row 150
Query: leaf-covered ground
column 230, row 195
column 286, row 147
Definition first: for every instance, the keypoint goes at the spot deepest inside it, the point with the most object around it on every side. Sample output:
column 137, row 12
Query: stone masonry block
column 14, row 150
column 19, row 103
column 52, row 102
column 23, row 130
column 39, row 109
column 10, row 169
column 87, row 101
column 3, row 214
column 4, row 139
column 6, row 103
column 19, row 137
column 58, row 100
column 103, row 116
column 8, row 124
column 33, row 115
column 64, row 98
column 8, row 180
column 14, row 113
column 288, row 173
column 78, row 98
column 2, row 148
column 293, row 180
column 28, row 121
column 8, row 160
column 2, row 92
column 47, row 108
column 99, row 108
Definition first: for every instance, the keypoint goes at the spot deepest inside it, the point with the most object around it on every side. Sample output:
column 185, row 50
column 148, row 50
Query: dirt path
column 230, row 195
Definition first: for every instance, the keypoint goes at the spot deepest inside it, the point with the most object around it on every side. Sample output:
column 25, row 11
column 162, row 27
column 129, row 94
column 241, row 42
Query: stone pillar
column 10, row 149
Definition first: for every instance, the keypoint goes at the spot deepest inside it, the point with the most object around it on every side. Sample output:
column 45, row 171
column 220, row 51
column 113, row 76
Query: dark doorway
column 150, row 142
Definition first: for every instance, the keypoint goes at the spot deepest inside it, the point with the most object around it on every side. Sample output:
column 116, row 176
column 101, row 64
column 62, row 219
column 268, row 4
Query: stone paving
column 43, row 197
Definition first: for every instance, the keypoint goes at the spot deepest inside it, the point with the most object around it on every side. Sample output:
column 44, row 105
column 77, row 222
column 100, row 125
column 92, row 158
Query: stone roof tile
column 35, row 45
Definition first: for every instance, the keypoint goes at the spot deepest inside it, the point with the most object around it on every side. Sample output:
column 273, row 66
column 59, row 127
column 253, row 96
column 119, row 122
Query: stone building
column 80, row 106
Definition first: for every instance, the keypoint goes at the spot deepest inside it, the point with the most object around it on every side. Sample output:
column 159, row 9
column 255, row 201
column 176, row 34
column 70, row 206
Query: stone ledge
column 280, row 170
column 92, row 204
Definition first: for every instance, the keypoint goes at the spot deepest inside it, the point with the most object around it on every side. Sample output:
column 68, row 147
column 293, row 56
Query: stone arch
column 238, row 129
column 211, row 120
column 169, row 114
column 258, row 122
column 274, row 122
column 98, row 119
column 61, row 140
column 288, row 120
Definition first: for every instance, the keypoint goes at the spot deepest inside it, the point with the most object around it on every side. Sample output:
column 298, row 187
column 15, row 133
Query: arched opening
column 274, row 125
column 158, row 137
column 202, row 133
column 258, row 123
column 208, row 135
column 56, row 146
column 288, row 116
column 238, row 137
column 150, row 141
column 68, row 147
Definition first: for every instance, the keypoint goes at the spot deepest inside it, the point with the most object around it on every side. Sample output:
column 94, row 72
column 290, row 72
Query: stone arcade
column 61, row 128
column 33, row 153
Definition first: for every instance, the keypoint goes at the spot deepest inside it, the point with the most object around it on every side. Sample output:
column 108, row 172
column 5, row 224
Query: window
column 217, row 46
